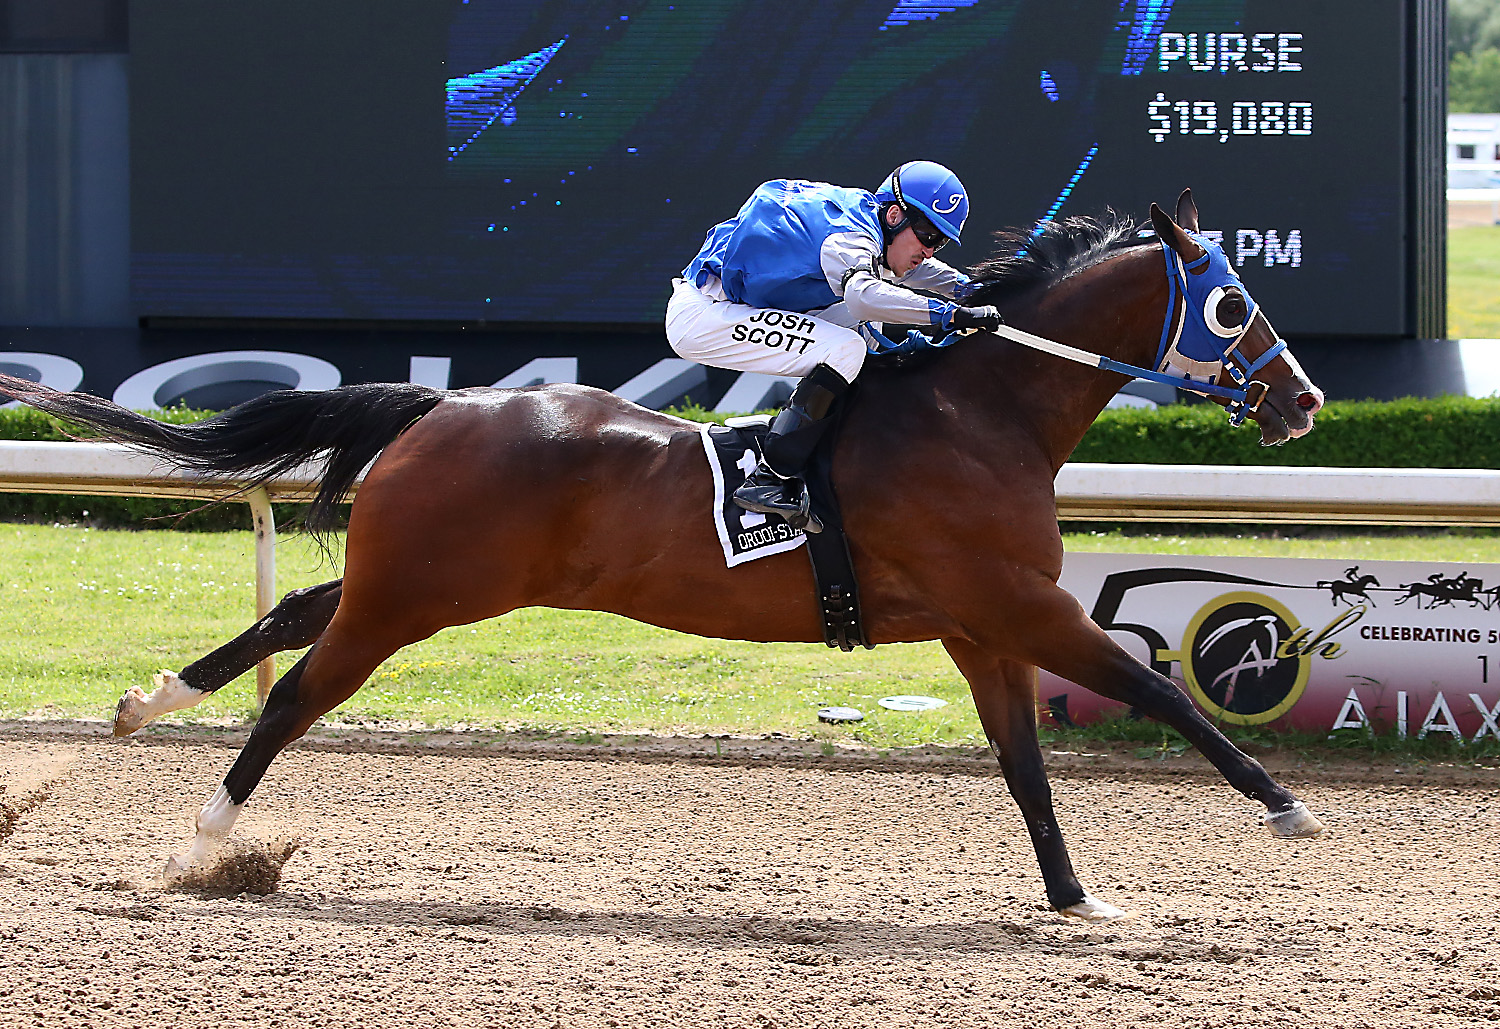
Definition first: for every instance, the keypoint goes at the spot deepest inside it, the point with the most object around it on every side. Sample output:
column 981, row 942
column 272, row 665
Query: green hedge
column 1447, row 432
column 27, row 423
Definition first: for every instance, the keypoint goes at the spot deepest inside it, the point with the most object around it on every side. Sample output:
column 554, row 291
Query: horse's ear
column 1187, row 211
column 1173, row 236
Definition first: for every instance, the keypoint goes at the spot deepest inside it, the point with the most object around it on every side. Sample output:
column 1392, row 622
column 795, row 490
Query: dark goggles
column 928, row 236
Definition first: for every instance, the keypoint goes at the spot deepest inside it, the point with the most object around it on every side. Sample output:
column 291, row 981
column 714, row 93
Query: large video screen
column 560, row 160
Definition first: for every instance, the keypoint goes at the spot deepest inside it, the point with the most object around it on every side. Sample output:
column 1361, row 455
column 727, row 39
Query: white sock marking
column 136, row 707
column 215, row 822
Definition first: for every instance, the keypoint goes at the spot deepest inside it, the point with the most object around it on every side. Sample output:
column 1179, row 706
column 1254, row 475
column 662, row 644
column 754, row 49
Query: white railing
column 1223, row 493
column 113, row 470
column 1097, row 492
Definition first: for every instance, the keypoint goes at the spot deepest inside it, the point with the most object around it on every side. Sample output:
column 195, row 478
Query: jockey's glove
column 986, row 318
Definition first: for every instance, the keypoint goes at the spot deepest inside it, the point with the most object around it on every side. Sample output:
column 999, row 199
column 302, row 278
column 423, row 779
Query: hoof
column 177, row 867
column 1296, row 822
column 1092, row 910
column 130, row 712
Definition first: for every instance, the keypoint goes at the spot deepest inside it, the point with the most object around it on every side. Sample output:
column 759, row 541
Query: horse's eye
column 1224, row 311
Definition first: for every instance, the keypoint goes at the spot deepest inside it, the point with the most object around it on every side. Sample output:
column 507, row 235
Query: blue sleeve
column 941, row 312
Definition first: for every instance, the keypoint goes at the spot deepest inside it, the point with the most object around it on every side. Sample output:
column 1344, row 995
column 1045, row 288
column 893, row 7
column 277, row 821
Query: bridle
column 1197, row 296
column 1180, row 322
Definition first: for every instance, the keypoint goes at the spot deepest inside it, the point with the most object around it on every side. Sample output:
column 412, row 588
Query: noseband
column 1187, row 341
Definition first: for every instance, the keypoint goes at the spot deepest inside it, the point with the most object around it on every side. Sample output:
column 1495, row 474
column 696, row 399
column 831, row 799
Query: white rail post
column 265, row 581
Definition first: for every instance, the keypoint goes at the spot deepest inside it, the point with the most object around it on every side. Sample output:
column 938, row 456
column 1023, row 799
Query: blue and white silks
column 806, row 246
column 768, row 255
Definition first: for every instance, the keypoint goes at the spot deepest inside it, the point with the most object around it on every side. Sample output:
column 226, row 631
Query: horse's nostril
column 1308, row 401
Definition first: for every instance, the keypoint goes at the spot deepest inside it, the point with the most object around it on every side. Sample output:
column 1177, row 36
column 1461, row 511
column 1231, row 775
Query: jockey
column 787, row 285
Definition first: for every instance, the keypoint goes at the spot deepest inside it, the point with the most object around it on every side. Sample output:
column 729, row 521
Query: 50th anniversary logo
column 1314, row 645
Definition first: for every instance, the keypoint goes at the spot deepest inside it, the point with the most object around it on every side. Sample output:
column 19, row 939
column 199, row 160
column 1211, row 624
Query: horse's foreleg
column 1067, row 643
column 326, row 676
column 296, row 622
column 1005, row 694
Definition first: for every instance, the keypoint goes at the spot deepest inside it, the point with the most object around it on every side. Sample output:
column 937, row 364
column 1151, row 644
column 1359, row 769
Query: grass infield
column 1474, row 282
column 87, row 613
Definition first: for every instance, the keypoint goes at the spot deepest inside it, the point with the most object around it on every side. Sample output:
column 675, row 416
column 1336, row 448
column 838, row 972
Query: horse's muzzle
column 1306, row 404
column 1287, row 414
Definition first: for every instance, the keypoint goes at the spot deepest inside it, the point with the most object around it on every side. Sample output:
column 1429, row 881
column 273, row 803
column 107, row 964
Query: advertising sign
column 1409, row 647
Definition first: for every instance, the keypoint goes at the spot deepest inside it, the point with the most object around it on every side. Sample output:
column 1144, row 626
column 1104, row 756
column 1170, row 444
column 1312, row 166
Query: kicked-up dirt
column 392, row 880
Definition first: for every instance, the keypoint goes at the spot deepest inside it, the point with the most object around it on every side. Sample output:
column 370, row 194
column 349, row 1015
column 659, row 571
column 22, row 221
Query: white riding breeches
column 723, row 334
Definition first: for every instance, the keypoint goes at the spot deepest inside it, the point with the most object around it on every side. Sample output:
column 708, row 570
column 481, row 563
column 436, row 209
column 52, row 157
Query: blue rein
column 1243, row 397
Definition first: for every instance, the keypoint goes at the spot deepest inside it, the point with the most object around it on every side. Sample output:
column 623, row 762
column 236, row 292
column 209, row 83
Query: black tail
column 261, row 439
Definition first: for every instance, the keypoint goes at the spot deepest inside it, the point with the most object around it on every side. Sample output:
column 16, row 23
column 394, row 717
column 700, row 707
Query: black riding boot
column 776, row 486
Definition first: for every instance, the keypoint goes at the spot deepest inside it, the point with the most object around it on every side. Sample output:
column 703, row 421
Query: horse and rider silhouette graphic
column 1444, row 592
column 1351, row 585
column 1438, row 589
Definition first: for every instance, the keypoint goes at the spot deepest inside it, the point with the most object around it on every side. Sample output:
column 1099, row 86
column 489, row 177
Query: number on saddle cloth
column 747, row 464
column 733, row 452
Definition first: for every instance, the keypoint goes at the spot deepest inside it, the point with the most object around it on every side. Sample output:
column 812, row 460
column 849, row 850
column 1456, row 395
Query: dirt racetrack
column 507, row 884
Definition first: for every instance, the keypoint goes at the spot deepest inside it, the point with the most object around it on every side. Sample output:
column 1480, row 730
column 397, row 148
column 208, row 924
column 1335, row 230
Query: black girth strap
column 833, row 569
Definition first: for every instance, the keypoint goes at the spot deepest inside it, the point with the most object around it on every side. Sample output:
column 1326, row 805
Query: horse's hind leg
column 296, row 622
column 1063, row 640
column 1005, row 695
column 327, row 675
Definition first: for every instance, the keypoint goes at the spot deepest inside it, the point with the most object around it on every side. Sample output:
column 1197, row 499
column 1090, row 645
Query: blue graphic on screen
column 907, row 11
column 1067, row 190
column 1049, row 87
column 1150, row 18
column 476, row 101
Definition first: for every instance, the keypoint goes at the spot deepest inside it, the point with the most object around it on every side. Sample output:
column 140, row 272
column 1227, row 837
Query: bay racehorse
column 482, row 501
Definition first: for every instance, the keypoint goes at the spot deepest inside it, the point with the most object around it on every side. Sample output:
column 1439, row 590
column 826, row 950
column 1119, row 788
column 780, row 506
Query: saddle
column 733, row 450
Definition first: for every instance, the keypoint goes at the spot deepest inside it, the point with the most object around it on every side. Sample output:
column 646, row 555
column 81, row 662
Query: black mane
column 1054, row 250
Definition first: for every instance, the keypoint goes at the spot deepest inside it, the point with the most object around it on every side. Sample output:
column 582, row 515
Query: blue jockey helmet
column 931, row 189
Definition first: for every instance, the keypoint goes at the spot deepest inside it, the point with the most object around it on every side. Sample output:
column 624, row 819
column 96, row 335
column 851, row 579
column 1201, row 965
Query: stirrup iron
column 766, row 492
